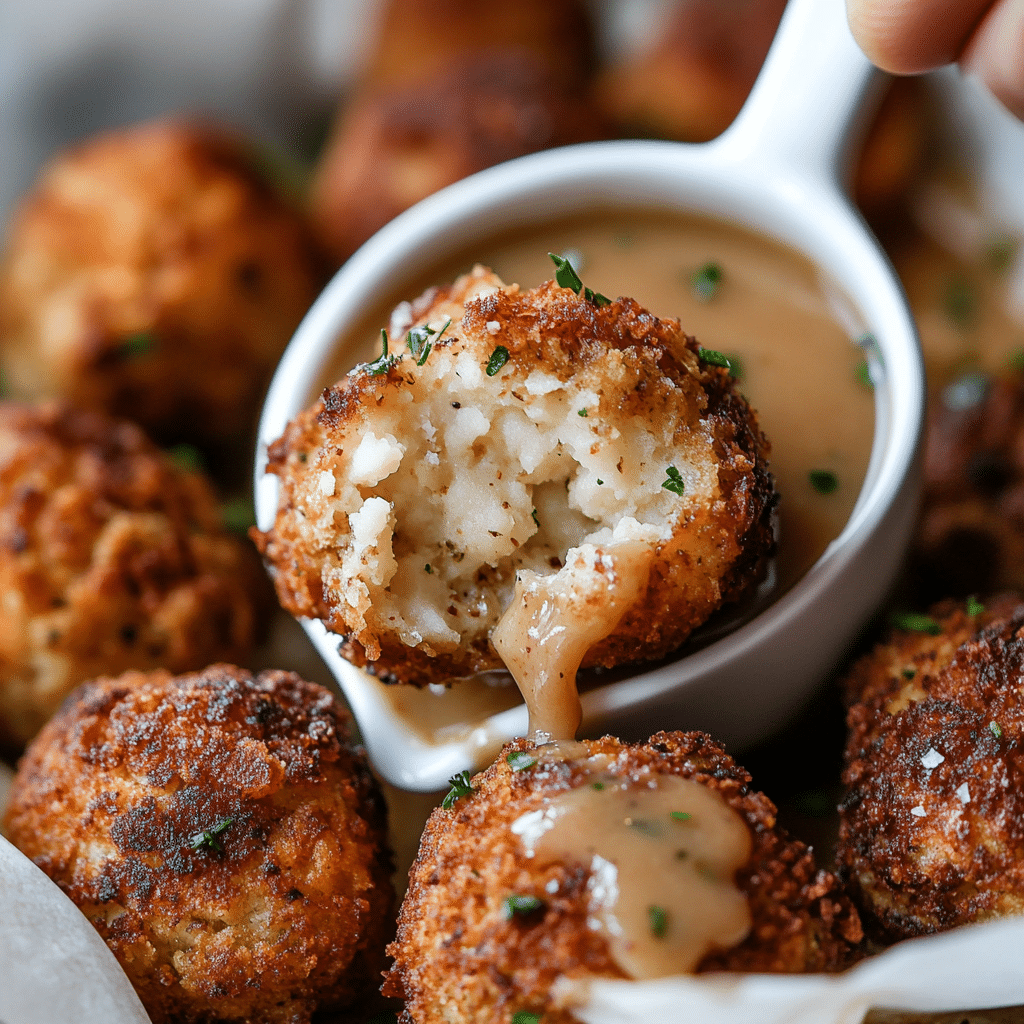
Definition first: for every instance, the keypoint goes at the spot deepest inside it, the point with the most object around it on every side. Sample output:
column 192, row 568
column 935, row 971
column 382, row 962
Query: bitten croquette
column 528, row 432
column 111, row 557
column 153, row 273
column 221, row 834
column 932, row 825
column 462, row 956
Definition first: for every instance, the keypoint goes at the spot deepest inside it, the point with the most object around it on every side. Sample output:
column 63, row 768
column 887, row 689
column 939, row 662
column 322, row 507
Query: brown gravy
column 770, row 312
column 663, row 855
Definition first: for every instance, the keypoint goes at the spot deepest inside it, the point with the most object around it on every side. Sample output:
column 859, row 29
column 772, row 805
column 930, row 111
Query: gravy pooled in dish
column 567, row 474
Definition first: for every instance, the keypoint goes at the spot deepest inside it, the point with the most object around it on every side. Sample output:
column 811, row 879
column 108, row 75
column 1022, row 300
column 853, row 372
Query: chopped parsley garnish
column 657, row 918
column 383, row 362
column 704, row 281
column 1000, row 253
column 460, row 787
column 520, row 760
column 974, row 606
column 582, row 412
column 568, row 278
column 600, row 482
column 419, row 343
column 908, row 672
column 499, row 357
column 863, row 374
column 209, row 839
column 824, row 481
column 238, row 514
column 680, row 816
column 535, row 519
column 140, row 344
column 597, row 785
column 713, row 358
column 996, row 729
column 736, row 367
column 526, row 1017
column 673, row 481
column 186, row 457
column 915, row 622
column 520, row 903
column 427, row 568
column 960, row 302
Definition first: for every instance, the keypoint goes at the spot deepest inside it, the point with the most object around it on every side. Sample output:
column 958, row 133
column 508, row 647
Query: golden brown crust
column 458, row 959
column 644, row 370
column 931, row 831
column 284, row 909
column 110, row 558
column 396, row 144
column 153, row 274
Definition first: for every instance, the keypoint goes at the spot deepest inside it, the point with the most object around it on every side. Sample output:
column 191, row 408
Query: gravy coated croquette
column 394, row 145
column 537, row 433
column 111, row 557
column 932, row 825
column 486, row 929
column 221, row 834
column 152, row 273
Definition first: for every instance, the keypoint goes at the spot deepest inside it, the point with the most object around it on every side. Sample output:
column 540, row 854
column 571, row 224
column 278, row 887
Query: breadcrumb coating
column 460, row 958
column 111, row 557
column 536, row 435
column 932, row 825
column 153, row 273
column 221, row 834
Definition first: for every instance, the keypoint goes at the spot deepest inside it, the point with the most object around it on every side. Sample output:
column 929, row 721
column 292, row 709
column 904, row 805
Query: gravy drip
column 553, row 620
column 663, row 855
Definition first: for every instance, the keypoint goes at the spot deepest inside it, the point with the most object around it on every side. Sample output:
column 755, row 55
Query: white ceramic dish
column 778, row 171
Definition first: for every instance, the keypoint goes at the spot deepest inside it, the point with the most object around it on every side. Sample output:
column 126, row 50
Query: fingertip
column 995, row 54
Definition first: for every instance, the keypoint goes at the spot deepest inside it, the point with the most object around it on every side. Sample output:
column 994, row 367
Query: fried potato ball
column 932, row 826
column 414, row 36
column 486, row 930
column 970, row 538
column 111, row 557
column 393, row 145
column 221, row 834
column 532, row 432
column 153, row 273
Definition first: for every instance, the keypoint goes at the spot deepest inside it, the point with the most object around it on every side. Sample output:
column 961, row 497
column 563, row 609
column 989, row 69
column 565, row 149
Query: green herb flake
column 674, row 481
column 582, row 412
column 1000, row 253
column 863, row 374
column 499, row 357
column 533, row 515
column 209, row 839
column 526, row 1017
column 713, row 358
column 915, row 622
column 597, row 785
column 736, row 368
column 704, row 282
column 908, row 672
column 238, row 514
column 566, row 277
column 137, row 345
column 427, row 568
column 960, row 302
column 461, row 786
column 521, row 904
column 974, row 606
column 418, row 340
column 824, row 481
column 996, row 729
column 520, row 760
column 680, row 816
column 600, row 482
column 657, row 918
column 383, row 362
column 186, row 457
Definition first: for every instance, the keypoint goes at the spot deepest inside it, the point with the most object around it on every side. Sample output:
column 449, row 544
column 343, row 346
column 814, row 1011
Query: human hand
column 986, row 37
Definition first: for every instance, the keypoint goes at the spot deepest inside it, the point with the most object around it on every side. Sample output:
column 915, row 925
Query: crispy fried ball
column 539, row 432
column 398, row 143
column 111, row 557
column 461, row 957
column 154, row 274
column 221, row 834
column 970, row 538
column 932, row 826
